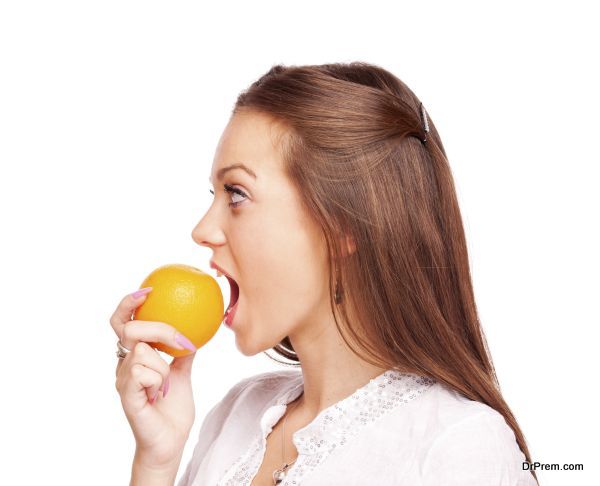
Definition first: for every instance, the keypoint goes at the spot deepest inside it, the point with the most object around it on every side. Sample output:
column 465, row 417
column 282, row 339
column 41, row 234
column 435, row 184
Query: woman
column 336, row 216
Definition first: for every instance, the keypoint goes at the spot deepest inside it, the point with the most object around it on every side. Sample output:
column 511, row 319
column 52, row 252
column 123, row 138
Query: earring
column 338, row 296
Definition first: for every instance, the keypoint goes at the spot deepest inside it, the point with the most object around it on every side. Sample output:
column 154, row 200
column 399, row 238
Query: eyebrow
column 224, row 170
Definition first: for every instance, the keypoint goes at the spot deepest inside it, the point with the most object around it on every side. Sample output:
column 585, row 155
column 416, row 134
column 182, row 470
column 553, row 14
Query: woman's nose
column 207, row 232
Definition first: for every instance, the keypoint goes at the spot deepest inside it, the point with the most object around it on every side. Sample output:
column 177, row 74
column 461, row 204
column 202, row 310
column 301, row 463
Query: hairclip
column 424, row 122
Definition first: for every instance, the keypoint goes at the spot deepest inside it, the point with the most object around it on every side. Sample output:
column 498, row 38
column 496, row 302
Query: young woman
column 336, row 220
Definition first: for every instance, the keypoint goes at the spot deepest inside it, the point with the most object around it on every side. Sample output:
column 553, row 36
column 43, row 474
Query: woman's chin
column 250, row 346
column 247, row 350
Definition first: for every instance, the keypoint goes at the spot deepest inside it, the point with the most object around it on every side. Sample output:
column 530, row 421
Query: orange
column 186, row 298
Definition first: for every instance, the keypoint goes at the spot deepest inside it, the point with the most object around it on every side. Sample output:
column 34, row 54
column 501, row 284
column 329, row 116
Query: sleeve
column 477, row 451
column 210, row 429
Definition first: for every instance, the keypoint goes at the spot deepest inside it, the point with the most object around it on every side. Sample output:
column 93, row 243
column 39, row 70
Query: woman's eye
column 234, row 191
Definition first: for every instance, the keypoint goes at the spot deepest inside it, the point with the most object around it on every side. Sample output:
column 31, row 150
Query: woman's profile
column 336, row 215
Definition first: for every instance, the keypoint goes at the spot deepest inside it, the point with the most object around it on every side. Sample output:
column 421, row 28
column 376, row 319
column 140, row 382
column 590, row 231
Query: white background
column 109, row 117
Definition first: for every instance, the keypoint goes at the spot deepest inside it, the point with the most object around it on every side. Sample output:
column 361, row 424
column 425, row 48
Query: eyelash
column 230, row 189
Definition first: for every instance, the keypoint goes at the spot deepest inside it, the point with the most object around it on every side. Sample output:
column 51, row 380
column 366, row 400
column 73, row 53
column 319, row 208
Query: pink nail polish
column 185, row 342
column 137, row 294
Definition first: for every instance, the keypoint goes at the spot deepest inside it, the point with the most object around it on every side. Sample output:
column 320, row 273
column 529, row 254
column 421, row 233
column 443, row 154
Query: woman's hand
column 162, row 425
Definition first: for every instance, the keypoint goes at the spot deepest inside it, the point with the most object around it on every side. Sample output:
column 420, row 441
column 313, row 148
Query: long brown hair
column 356, row 147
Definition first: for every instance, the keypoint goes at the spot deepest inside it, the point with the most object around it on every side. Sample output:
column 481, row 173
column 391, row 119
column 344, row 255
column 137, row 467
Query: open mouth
column 234, row 294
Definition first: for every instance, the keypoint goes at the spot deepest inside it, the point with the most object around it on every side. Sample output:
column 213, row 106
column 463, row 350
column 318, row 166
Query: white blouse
column 398, row 429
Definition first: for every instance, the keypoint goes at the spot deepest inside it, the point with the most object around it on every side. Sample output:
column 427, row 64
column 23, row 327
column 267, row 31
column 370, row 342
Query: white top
column 398, row 429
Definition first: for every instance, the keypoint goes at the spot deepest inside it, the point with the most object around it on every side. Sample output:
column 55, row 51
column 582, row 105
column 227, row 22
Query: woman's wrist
column 146, row 472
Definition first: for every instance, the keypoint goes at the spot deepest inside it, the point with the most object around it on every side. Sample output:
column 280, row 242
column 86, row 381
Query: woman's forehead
column 249, row 144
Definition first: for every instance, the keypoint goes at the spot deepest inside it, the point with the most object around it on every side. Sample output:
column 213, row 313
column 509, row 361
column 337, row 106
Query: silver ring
column 122, row 351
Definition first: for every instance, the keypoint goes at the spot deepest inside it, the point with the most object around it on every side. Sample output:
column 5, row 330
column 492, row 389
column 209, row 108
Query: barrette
column 424, row 121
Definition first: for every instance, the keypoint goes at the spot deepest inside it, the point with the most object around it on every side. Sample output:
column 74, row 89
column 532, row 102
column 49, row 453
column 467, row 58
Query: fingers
column 144, row 370
column 147, row 380
column 149, row 331
column 130, row 332
column 124, row 311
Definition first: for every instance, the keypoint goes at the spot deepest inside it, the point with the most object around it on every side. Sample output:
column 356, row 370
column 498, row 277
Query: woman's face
column 264, row 239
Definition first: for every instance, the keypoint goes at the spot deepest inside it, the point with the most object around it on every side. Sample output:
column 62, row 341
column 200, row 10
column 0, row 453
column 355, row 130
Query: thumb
column 184, row 363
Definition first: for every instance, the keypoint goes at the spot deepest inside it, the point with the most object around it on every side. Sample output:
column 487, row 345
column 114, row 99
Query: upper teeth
column 219, row 274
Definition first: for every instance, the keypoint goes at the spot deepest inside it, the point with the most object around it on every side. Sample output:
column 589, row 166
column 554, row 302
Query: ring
column 122, row 351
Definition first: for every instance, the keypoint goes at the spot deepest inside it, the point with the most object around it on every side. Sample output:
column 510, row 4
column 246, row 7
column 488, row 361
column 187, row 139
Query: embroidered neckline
column 333, row 426
column 338, row 422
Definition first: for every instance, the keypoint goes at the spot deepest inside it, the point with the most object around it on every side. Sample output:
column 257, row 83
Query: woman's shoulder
column 443, row 413
column 453, row 408
column 473, row 441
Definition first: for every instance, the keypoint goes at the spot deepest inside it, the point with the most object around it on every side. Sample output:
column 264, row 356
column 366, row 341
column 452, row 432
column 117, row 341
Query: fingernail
column 137, row 294
column 185, row 342
column 166, row 387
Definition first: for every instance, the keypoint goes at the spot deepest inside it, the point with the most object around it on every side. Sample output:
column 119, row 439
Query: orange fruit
column 186, row 298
